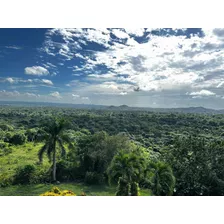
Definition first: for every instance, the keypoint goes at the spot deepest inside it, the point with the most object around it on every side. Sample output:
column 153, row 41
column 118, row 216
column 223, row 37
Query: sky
column 142, row 67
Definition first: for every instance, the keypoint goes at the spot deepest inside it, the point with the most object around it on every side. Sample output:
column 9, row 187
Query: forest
column 66, row 151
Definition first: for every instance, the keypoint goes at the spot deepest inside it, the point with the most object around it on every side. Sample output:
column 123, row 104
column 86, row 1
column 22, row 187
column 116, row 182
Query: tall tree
column 54, row 139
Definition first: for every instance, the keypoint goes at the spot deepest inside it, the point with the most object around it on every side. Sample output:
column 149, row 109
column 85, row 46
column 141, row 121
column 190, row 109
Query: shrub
column 55, row 191
column 6, row 127
column 5, row 151
column 7, row 137
column 64, row 171
column 135, row 189
column 123, row 188
column 41, row 175
column 5, row 181
column 2, row 145
column 24, row 174
column 94, row 178
column 18, row 139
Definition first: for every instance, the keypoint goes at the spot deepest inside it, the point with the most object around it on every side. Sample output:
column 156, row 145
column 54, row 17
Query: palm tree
column 129, row 166
column 163, row 180
column 54, row 137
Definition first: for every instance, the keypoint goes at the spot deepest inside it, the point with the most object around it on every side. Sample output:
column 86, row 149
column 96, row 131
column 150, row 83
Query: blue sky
column 137, row 67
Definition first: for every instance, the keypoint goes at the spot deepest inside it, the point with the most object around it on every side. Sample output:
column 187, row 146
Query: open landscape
column 112, row 111
column 110, row 152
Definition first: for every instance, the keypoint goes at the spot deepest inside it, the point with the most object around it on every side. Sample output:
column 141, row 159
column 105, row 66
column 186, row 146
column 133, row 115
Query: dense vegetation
column 163, row 153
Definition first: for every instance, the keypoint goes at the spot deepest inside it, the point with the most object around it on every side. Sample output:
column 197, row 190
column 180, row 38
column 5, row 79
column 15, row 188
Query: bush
column 7, row 137
column 135, row 189
column 55, row 191
column 64, row 171
column 18, row 139
column 5, row 181
column 94, row 178
column 41, row 175
column 6, row 127
column 123, row 188
column 5, row 151
column 24, row 174
column 2, row 145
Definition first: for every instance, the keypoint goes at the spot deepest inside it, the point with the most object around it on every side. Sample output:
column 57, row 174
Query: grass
column 21, row 155
column 37, row 189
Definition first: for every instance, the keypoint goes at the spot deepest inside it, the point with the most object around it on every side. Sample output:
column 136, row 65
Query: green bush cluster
column 123, row 188
column 94, row 178
column 18, row 139
column 24, row 174
column 31, row 174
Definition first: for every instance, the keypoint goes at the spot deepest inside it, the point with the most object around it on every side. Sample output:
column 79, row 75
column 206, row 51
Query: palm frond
column 63, row 151
column 66, row 139
column 42, row 150
column 50, row 149
column 49, row 152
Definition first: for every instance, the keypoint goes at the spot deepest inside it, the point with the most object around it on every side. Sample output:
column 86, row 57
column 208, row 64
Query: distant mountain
column 123, row 106
column 200, row 110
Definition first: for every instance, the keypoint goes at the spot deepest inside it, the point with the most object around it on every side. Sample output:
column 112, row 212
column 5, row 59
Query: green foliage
column 42, row 174
column 95, row 152
column 130, row 165
column 135, row 190
column 54, row 136
column 94, row 178
column 123, row 188
column 24, row 174
column 4, row 149
column 162, row 179
column 5, row 180
column 6, row 127
column 8, row 136
column 95, row 138
column 197, row 165
column 18, row 139
column 67, row 171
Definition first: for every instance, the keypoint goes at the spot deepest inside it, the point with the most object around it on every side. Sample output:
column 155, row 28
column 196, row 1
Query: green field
column 21, row 155
column 35, row 190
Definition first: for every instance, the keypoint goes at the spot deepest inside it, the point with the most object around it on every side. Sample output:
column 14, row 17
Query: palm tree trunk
column 54, row 163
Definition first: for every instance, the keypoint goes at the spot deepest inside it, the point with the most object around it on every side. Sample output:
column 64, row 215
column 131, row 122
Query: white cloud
column 10, row 80
column 85, row 98
column 14, row 47
column 102, row 77
column 36, row 70
column 135, row 31
column 120, row 34
column 220, row 84
column 75, row 95
column 32, row 95
column 56, row 95
column 123, row 93
column 48, row 82
column 202, row 93
column 4, row 93
column 20, row 81
column 16, row 95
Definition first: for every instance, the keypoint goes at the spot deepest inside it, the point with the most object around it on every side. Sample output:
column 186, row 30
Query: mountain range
column 200, row 110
